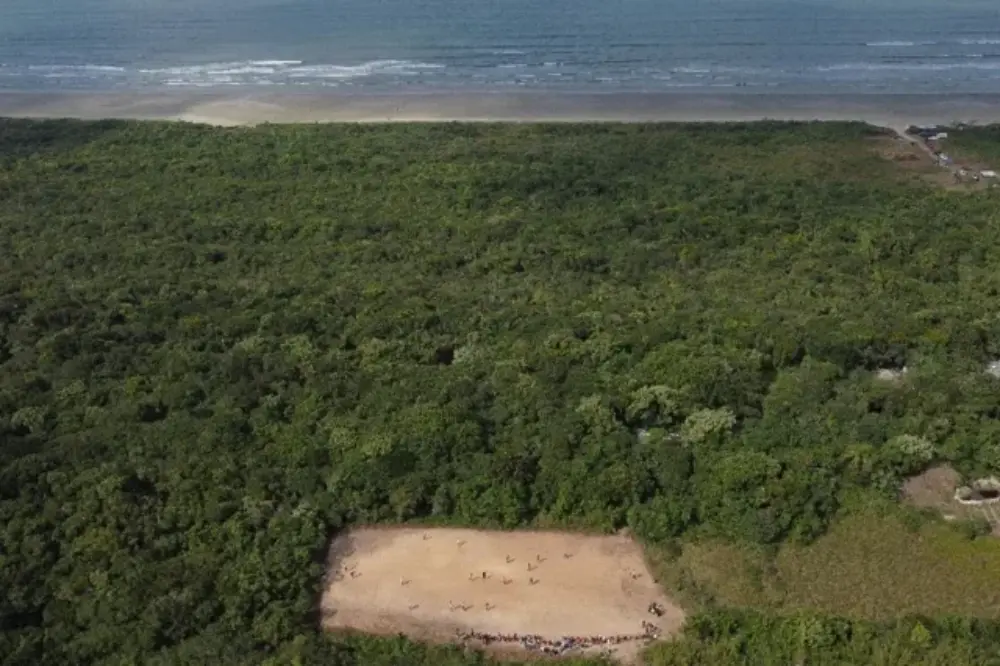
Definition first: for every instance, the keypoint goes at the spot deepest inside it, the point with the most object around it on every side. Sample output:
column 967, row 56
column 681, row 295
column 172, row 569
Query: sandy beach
column 227, row 109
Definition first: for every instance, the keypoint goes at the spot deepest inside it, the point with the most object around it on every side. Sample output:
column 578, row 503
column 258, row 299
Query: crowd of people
column 560, row 646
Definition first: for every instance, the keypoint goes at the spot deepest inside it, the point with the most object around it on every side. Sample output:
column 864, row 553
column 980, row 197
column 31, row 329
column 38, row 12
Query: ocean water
column 935, row 46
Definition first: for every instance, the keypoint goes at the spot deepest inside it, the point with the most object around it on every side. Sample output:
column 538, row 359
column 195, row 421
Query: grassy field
column 873, row 565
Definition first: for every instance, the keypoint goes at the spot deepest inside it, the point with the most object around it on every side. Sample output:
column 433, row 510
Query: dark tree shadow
column 21, row 137
column 330, row 556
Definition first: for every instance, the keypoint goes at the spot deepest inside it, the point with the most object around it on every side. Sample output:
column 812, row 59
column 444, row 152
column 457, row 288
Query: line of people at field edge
column 536, row 642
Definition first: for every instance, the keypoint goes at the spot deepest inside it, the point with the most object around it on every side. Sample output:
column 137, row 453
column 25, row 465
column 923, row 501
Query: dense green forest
column 218, row 347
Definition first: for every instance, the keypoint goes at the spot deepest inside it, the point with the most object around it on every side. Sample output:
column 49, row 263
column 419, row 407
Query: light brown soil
column 935, row 489
column 429, row 584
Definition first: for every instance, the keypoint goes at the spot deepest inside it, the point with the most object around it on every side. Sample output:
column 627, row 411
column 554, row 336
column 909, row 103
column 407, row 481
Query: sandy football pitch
column 444, row 584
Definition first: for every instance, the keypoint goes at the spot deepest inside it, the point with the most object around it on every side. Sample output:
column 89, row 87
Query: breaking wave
column 909, row 70
column 283, row 71
column 905, row 43
column 245, row 72
column 897, row 44
column 909, row 67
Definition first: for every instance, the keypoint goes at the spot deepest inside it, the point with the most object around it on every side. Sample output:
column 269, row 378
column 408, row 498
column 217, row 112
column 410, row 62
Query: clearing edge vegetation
column 220, row 349
column 528, row 590
column 869, row 566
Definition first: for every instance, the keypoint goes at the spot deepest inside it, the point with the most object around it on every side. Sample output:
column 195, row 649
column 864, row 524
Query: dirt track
column 429, row 583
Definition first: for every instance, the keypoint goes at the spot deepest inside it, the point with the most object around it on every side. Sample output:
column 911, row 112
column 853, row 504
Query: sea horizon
column 397, row 46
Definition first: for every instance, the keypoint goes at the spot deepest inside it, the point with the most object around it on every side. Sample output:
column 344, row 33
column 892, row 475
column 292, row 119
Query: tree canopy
column 218, row 347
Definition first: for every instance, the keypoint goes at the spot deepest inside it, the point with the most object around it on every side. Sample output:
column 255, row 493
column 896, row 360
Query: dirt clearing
column 935, row 489
column 521, row 590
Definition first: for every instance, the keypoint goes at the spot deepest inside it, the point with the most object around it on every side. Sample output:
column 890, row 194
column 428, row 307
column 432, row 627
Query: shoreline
column 226, row 108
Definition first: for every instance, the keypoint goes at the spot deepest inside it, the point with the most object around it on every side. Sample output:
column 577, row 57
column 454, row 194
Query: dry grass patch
column 718, row 572
column 868, row 566
column 878, row 568
column 443, row 584
column 915, row 162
